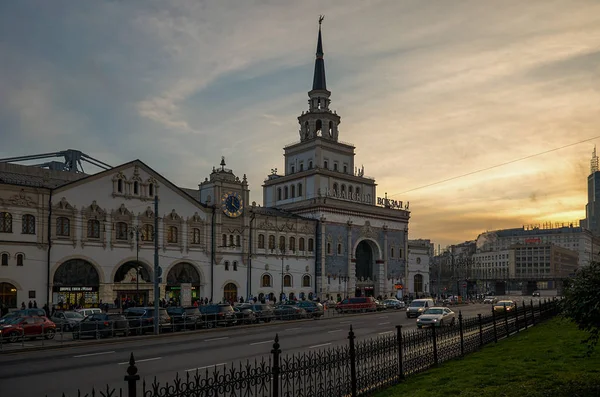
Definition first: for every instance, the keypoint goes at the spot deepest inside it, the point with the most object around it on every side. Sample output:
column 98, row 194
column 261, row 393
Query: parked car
column 289, row 312
column 213, row 315
column 490, row 300
column 394, row 304
column 184, row 317
column 66, row 321
column 89, row 311
column 141, row 319
column 23, row 313
column 361, row 304
column 313, row 309
column 505, row 305
column 380, row 305
column 436, row 317
column 101, row 325
column 262, row 311
column 29, row 327
column 418, row 306
column 244, row 315
column 536, row 293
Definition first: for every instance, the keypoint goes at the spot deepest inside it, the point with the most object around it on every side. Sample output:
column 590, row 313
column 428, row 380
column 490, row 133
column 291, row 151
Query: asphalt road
column 86, row 366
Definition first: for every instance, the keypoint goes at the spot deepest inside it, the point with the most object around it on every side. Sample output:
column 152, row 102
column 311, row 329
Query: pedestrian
column 46, row 310
column 23, row 306
column 30, row 305
column 35, row 304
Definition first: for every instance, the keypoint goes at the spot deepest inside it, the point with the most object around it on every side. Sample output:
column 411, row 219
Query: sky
column 427, row 91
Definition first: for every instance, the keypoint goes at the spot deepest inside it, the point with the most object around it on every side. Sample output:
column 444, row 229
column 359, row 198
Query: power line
column 496, row 166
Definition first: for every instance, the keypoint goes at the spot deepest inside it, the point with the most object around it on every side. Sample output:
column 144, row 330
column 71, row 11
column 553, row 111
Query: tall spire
column 319, row 82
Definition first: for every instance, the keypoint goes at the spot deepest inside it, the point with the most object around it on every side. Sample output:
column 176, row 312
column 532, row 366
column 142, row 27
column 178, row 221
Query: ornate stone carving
column 367, row 231
column 306, row 229
column 123, row 211
column 266, row 225
column 174, row 216
column 19, row 200
column 63, row 204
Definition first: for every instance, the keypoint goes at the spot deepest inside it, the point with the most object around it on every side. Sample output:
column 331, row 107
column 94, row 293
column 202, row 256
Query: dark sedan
column 184, row 317
column 262, row 311
column 289, row 312
column 244, row 315
column 101, row 325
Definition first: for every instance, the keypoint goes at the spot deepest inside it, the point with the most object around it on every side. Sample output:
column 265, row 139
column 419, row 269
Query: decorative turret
column 319, row 121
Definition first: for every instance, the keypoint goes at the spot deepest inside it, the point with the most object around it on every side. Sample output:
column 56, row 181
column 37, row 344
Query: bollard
column 276, row 351
column 400, row 361
column 132, row 377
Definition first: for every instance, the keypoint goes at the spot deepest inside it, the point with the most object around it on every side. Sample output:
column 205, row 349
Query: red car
column 361, row 304
column 29, row 327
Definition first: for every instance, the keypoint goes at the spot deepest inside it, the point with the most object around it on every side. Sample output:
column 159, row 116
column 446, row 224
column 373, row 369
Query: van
column 360, row 304
column 418, row 306
column 89, row 312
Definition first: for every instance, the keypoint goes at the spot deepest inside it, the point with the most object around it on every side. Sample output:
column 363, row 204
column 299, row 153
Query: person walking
column 30, row 305
column 35, row 304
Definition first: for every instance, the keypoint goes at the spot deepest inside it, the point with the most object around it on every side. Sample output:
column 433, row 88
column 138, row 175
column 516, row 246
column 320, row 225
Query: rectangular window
column 31, row 294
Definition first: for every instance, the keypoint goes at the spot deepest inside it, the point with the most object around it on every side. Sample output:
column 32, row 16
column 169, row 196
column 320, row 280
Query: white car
column 436, row 317
column 490, row 300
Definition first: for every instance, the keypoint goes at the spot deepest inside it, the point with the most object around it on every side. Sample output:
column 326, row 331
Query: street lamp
column 282, row 254
column 135, row 231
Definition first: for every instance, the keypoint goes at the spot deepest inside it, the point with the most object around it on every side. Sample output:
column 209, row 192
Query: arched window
column 93, row 228
column 172, row 235
column 231, row 240
column 310, row 165
column 350, row 191
column 343, row 189
column 335, row 166
column 287, row 280
column 318, row 128
column 5, row 222
column 136, row 187
column 292, row 244
column 120, row 186
column 300, row 190
column 328, row 248
column 238, row 242
column 261, row 241
column 121, row 231
column 4, row 259
column 335, row 188
column 230, row 292
column 331, row 129
column 278, row 193
column 418, row 279
column 311, row 245
column 265, row 280
column 147, row 232
column 339, row 249
column 306, row 280
column 226, row 265
column 345, row 169
column 151, row 190
column 357, row 191
column 271, row 242
column 28, row 226
column 392, row 252
column 20, row 258
column 63, row 226
column 224, row 241
column 196, row 236
column 285, row 192
column 301, row 244
column 235, row 266
column 282, row 243
column 293, row 191
column 325, row 165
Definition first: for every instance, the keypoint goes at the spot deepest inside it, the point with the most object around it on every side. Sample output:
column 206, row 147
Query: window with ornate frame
column 172, row 235
column 328, row 248
column 299, row 190
column 292, row 244
column 224, row 240
column 136, row 188
column 147, row 232
column 418, row 281
column 311, row 245
column 282, row 243
column 271, row 242
column 266, row 280
column 238, row 241
column 235, row 264
column 231, row 240
column 28, row 224
column 261, row 241
column 121, row 231
column 301, row 244
column 339, row 249
column 306, row 280
column 4, row 259
column 20, row 258
column 226, row 265
column 196, row 236
column 63, row 226
column 93, row 228
column 287, row 280
column 5, row 222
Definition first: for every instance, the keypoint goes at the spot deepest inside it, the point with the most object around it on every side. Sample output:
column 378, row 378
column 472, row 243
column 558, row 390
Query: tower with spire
column 592, row 208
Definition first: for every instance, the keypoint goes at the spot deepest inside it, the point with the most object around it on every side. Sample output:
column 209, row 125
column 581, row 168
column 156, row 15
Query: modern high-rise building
column 592, row 208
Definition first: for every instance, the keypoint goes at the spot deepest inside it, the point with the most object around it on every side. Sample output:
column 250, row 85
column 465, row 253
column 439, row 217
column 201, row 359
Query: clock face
column 232, row 204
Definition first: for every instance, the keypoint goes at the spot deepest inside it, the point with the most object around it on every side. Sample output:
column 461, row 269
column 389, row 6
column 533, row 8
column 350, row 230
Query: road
column 86, row 366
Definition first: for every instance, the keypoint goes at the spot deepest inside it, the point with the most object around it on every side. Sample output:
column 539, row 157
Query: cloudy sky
column 427, row 90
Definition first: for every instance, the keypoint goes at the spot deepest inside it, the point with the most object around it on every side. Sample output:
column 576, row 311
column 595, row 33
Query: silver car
column 436, row 317
column 66, row 321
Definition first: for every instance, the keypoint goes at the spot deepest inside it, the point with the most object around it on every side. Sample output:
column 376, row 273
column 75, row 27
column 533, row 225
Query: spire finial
column 321, row 17
column 319, row 77
column 222, row 163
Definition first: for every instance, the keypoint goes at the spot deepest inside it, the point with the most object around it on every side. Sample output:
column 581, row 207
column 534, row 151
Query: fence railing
column 355, row 369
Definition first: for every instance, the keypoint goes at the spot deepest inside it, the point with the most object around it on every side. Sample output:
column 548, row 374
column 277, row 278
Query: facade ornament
column 123, row 210
column 19, row 200
column 367, row 231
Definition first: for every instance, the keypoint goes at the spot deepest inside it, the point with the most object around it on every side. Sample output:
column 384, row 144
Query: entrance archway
column 182, row 273
column 8, row 296
column 364, row 269
column 230, row 292
column 418, row 283
column 76, row 283
column 133, row 283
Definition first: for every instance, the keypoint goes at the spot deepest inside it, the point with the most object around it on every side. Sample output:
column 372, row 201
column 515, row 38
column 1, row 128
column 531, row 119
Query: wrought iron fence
column 355, row 369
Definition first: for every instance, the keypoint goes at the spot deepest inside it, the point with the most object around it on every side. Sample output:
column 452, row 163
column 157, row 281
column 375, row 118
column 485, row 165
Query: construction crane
column 72, row 161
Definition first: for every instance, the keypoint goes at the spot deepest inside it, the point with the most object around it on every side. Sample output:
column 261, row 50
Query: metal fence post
column 540, row 309
column 462, row 339
column 400, row 361
column 132, row 377
column 517, row 317
column 525, row 314
column 435, row 352
column 480, row 330
column 506, row 321
column 353, row 381
column 276, row 351
column 494, row 320
column 532, row 312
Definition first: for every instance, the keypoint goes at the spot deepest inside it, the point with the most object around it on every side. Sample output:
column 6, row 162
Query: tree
column 581, row 302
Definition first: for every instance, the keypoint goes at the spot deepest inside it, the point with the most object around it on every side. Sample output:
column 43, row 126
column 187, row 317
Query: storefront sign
column 393, row 204
column 533, row 240
column 359, row 198
column 75, row 289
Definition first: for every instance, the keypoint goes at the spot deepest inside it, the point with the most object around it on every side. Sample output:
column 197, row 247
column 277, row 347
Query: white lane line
column 335, row 330
column 321, row 345
column 383, row 317
column 93, row 354
column 384, row 323
column 293, row 329
column 206, row 366
column 141, row 361
column 261, row 343
column 350, row 322
column 385, row 333
column 213, row 339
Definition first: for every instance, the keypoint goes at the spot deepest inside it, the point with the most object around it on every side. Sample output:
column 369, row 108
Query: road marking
column 213, row 339
column 350, row 322
column 261, row 343
column 206, row 366
column 384, row 323
column 383, row 317
column 93, row 354
column 385, row 333
column 141, row 361
column 335, row 330
column 293, row 329
column 322, row 344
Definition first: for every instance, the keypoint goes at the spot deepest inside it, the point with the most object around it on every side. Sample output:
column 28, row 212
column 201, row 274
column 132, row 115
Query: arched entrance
column 365, row 285
column 183, row 284
column 132, row 283
column 8, row 296
column 418, row 284
column 76, row 283
column 230, row 292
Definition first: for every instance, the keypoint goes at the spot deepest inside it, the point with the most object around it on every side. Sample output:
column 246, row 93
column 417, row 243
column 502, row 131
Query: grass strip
column 547, row 360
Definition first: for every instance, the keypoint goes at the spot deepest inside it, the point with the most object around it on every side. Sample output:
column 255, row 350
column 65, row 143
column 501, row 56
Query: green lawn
column 547, row 360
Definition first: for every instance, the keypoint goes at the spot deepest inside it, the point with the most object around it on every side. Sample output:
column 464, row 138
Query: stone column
column 323, row 284
column 381, row 280
column 351, row 267
column 386, row 284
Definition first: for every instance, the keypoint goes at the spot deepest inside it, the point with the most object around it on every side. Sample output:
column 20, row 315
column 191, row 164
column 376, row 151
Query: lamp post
column 135, row 231
column 281, row 250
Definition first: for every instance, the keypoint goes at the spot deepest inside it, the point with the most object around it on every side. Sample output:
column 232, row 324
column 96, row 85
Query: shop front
column 182, row 274
column 132, row 285
column 76, row 284
column 8, row 295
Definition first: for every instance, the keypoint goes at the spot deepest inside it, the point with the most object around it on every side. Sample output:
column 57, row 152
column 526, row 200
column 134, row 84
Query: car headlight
column 418, row 320
column 407, row 310
column 420, row 309
column 435, row 320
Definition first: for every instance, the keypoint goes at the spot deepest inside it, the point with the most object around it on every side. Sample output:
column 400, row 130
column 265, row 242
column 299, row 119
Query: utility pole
column 157, row 270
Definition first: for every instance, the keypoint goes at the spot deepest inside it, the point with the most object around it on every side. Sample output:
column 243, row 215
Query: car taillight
column 106, row 323
column 221, row 314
